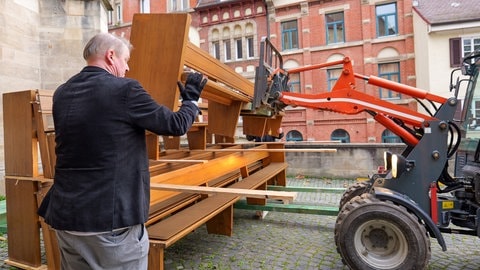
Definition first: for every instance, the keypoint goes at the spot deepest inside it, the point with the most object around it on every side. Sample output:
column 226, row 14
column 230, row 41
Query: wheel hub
column 378, row 238
column 381, row 243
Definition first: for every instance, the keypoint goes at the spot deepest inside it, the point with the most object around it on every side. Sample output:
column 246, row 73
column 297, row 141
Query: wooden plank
column 183, row 160
column 213, row 90
column 47, row 152
column 222, row 223
column 223, row 119
column 20, row 146
column 176, row 227
column 263, row 194
column 152, row 47
column 201, row 60
column 21, row 159
column 254, row 126
column 49, row 235
column 156, row 256
column 25, row 266
column 197, row 137
column 167, row 207
column 211, row 170
column 171, row 142
column 22, row 223
column 272, row 150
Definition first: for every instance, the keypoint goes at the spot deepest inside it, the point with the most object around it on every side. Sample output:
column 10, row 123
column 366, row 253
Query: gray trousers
column 122, row 250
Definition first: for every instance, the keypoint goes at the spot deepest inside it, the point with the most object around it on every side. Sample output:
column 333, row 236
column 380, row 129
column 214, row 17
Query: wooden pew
column 209, row 168
column 216, row 211
column 158, row 61
column 29, row 133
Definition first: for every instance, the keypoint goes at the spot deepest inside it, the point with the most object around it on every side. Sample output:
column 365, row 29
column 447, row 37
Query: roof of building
column 448, row 11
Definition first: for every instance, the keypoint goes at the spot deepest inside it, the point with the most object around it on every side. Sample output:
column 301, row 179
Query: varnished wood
column 238, row 87
column 157, row 62
column 42, row 110
column 156, row 256
column 223, row 119
column 280, row 150
column 20, row 145
column 175, row 227
column 22, row 222
column 264, row 194
column 157, row 59
column 260, row 126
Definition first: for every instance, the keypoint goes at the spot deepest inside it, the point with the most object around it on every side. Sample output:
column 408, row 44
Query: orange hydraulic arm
column 344, row 98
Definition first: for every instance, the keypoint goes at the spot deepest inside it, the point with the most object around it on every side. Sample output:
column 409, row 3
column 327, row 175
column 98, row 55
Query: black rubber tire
column 373, row 234
column 357, row 189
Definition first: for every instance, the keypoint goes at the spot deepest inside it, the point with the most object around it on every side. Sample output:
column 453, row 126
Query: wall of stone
column 41, row 44
column 350, row 161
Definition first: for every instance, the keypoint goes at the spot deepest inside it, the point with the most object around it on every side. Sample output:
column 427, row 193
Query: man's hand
column 193, row 86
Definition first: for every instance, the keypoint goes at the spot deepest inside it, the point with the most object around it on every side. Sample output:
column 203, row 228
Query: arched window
column 340, row 135
column 294, row 135
column 390, row 137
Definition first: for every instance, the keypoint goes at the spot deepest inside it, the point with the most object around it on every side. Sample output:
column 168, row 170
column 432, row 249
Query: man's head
column 108, row 52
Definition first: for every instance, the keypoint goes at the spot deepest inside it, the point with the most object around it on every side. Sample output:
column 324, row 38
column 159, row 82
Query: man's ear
column 109, row 56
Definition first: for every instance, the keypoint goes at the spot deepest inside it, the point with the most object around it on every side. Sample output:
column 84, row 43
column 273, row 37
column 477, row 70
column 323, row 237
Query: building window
column 144, row 6
column 289, row 35
column 335, row 27
column 390, row 137
column 386, row 19
column 118, row 10
column 239, row 48
column 227, row 48
column 332, row 77
column 470, row 45
column 237, row 45
column 389, row 71
column 340, row 135
column 110, row 17
column 178, row 5
column 294, row 83
column 294, row 135
column 216, row 49
column 250, row 48
column 460, row 47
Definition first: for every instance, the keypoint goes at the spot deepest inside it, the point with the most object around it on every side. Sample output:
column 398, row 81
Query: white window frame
column 144, row 6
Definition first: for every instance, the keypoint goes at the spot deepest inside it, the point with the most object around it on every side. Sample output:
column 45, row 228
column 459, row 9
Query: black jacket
column 102, row 181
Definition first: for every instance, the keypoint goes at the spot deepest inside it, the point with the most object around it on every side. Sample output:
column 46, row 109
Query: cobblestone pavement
column 290, row 241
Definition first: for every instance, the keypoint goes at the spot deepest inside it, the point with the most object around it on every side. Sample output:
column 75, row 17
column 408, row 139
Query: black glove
column 193, row 87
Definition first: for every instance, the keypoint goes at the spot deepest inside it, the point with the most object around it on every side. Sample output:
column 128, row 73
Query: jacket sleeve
column 146, row 113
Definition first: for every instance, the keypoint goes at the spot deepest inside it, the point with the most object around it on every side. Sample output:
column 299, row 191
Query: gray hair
column 103, row 42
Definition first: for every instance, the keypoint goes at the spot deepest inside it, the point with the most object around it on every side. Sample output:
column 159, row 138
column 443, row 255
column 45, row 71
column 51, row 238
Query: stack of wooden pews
column 192, row 184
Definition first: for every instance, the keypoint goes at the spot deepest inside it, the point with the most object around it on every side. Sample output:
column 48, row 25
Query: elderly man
column 99, row 201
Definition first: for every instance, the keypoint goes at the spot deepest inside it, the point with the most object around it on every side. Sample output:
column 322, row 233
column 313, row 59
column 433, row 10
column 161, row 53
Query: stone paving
column 289, row 241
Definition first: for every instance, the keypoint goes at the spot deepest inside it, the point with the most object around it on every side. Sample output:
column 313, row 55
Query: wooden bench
column 28, row 129
column 26, row 183
column 216, row 211
column 227, row 92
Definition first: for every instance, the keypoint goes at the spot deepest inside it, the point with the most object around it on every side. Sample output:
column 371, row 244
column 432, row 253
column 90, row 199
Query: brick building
column 376, row 34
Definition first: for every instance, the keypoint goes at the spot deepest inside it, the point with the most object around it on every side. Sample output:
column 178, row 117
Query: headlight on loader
column 400, row 165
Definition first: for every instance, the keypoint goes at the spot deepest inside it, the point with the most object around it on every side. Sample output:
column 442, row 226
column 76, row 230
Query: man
column 101, row 194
